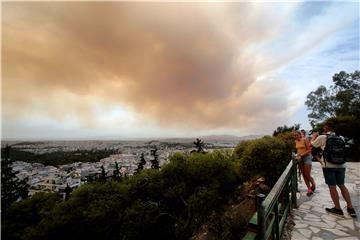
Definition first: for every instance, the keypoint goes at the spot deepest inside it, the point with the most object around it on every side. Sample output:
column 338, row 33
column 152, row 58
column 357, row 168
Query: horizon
column 142, row 70
column 128, row 139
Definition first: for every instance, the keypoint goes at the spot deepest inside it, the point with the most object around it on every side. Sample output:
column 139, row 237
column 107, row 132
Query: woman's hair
column 297, row 132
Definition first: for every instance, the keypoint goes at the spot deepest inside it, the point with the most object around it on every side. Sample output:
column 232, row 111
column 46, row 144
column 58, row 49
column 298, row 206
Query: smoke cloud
column 190, row 65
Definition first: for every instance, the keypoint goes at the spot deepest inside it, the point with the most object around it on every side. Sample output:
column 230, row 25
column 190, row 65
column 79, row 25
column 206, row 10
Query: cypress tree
column 141, row 163
column 155, row 161
column 12, row 188
column 103, row 174
column 68, row 190
column 116, row 174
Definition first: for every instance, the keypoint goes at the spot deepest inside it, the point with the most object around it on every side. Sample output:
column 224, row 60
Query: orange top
column 301, row 146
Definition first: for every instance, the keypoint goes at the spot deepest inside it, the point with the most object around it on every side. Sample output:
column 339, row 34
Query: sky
column 119, row 70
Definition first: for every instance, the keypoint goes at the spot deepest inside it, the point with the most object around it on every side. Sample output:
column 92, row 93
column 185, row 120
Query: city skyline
column 119, row 70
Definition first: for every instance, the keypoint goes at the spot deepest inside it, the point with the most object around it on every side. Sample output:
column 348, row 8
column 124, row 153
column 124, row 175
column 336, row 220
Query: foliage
column 166, row 204
column 199, row 145
column 288, row 139
column 103, row 174
column 67, row 192
column 24, row 216
column 155, row 161
column 347, row 126
column 341, row 99
column 12, row 188
column 263, row 156
column 117, row 174
column 141, row 163
column 60, row 158
column 285, row 128
column 170, row 203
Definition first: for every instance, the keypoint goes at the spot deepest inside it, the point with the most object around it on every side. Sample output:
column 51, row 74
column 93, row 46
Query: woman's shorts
column 307, row 160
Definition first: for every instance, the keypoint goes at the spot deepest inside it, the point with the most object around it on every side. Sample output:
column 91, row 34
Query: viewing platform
column 313, row 222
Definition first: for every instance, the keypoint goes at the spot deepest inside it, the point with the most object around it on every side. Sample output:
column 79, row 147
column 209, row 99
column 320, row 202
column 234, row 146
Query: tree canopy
column 340, row 99
column 199, row 145
column 167, row 203
column 12, row 188
column 285, row 128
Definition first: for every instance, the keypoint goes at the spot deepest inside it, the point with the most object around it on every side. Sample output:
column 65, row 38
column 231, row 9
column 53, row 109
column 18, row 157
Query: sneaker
column 335, row 211
column 313, row 188
column 351, row 212
column 309, row 193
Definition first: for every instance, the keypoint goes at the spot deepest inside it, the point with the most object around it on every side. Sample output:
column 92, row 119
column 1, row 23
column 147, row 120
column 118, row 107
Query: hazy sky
column 129, row 70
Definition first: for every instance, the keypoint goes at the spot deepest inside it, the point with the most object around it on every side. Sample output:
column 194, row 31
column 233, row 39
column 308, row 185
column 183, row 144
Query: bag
column 334, row 151
column 316, row 152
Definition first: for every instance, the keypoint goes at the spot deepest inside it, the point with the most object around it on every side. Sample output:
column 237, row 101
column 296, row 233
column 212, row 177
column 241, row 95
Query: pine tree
column 141, row 163
column 155, row 161
column 103, row 174
column 68, row 190
column 116, row 174
column 199, row 145
column 12, row 188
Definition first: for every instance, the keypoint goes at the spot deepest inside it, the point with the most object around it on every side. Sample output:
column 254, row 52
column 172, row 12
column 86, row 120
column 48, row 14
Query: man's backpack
column 334, row 151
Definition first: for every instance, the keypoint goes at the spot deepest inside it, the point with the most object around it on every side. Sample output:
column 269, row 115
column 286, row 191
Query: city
column 47, row 178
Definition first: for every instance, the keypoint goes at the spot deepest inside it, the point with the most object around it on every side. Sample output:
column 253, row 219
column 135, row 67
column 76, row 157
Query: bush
column 167, row 204
column 266, row 157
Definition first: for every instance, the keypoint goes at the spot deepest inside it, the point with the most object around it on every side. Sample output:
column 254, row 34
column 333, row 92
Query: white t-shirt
column 320, row 141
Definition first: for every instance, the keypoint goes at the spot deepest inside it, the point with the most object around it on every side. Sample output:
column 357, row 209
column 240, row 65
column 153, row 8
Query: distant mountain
column 217, row 138
column 228, row 137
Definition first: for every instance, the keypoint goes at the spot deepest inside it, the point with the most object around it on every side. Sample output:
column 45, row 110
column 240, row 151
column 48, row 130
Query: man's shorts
column 334, row 176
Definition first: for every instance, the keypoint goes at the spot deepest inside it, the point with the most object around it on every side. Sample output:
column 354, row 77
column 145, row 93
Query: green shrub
column 266, row 157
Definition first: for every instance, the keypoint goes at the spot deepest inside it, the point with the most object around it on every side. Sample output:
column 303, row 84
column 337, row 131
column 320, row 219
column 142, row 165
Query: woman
column 303, row 156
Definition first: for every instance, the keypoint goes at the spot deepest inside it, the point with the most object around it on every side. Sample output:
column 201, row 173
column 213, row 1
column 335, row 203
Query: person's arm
column 318, row 141
column 308, row 148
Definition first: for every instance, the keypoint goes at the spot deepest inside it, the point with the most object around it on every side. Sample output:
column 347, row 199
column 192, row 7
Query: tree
column 141, row 163
column 67, row 192
column 155, row 161
column 285, row 128
column 116, row 175
column 23, row 216
column 199, row 145
column 341, row 99
column 103, row 174
column 12, row 188
column 346, row 126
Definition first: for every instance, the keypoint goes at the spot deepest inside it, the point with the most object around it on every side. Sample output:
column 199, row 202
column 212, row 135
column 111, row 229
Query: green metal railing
column 272, row 210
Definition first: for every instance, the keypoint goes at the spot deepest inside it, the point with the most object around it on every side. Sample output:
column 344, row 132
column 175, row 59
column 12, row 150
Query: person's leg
column 346, row 195
column 334, row 196
column 330, row 180
column 306, row 180
column 307, row 171
column 340, row 181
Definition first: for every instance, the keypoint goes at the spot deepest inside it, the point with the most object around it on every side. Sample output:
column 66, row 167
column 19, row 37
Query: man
column 334, row 175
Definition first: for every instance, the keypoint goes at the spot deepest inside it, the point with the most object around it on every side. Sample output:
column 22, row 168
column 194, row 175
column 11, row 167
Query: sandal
column 309, row 193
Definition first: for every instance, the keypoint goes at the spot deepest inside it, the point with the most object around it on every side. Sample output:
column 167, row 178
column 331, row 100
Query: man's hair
column 329, row 125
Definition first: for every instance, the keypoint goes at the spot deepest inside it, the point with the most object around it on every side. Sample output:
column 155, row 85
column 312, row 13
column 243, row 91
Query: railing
column 273, row 210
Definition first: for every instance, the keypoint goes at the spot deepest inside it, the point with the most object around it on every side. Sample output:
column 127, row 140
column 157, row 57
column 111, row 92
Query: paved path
column 312, row 221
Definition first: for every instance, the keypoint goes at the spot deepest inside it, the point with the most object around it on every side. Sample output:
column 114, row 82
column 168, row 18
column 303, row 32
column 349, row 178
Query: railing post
column 294, row 186
column 261, row 215
column 276, row 210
